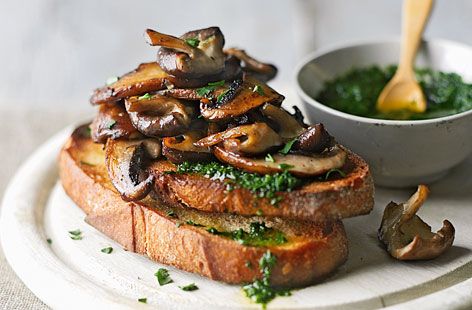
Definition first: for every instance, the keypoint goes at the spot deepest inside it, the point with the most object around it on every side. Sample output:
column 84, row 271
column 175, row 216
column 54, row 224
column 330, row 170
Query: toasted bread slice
column 317, row 201
column 180, row 236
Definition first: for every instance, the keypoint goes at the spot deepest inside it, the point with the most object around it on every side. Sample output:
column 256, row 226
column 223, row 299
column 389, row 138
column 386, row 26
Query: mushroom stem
column 155, row 38
column 415, row 202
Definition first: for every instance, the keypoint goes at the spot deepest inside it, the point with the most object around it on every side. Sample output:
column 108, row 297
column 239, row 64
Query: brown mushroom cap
column 112, row 121
column 159, row 116
column 299, row 165
column 261, row 71
column 315, row 139
column 180, row 58
column 126, row 162
column 407, row 236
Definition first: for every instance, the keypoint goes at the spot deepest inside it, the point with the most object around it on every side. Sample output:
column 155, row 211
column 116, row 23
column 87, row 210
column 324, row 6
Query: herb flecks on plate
column 263, row 186
column 260, row 290
column 75, row 234
column 188, row 288
column 107, row 250
column 163, row 276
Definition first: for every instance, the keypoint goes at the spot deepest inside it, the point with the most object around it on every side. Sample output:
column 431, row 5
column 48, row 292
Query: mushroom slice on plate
column 299, row 165
column 262, row 71
column 112, row 121
column 246, row 139
column 127, row 161
column 146, row 78
column 407, row 236
column 196, row 53
column 181, row 148
column 252, row 94
column 288, row 126
column 159, row 116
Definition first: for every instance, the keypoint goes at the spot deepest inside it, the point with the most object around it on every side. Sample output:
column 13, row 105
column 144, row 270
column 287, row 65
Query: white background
column 54, row 52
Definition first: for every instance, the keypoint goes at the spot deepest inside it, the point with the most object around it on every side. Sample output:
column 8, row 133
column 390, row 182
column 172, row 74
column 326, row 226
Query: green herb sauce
column 356, row 92
column 263, row 186
column 259, row 235
column 260, row 291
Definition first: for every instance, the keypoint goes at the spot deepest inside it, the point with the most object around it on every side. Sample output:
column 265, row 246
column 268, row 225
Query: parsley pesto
column 356, row 92
column 263, row 186
column 260, row 291
column 258, row 235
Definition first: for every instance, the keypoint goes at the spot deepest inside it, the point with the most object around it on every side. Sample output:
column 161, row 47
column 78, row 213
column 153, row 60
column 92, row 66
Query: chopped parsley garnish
column 49, row 240
column 333, row 171
column 248, row 264
column 260, row 291
column 190, row 287
column 190, row 222
column 107, row 250
column 146, row 96
column 221, row 96
column 193, row 42
column 285, row 166
column 258, row 235
column 287, row 147
column 258, row 89
column 171, row 213
column 218, row 83
column 143, row 300
column 110, row 124
column 112, row 80
column 163, row 276
column 262, row 186
column 206, row 90
column 269, row 158
column 75, row 234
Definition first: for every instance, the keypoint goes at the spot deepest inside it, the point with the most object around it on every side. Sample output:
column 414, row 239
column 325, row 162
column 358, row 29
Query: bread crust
column 144, row 227
column 317, row 201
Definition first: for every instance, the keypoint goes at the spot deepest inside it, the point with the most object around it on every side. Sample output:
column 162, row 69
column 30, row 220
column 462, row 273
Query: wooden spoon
column 403, row 91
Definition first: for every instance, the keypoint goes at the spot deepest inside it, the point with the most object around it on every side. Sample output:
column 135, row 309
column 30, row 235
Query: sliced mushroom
column 112, row 122
column 262, row 71
column 246, row 139
column 159, row 116
column 126, row 162
column 146, row 78
column 288, row 126
column 149, row 77
column 314, row 140
column 181, row 148
column 214, row 90
column 299, row 165
column 195, row 54
column 251, row 95
column 405, row 234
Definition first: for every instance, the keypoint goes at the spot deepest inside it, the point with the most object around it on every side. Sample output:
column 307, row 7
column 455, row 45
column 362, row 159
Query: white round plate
column 75, row 274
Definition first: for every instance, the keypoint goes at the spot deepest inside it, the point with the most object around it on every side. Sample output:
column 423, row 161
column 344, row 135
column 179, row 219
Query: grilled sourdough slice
column 319, row 200
column 209, row 244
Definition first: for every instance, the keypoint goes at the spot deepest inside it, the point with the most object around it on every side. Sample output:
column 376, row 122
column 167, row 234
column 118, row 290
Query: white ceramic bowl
column 400, row 153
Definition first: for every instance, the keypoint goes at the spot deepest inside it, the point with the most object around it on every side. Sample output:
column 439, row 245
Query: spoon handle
column 415, row 16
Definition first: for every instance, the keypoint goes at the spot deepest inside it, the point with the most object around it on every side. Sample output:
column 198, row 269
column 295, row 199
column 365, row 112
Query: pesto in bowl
column 356, row 92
